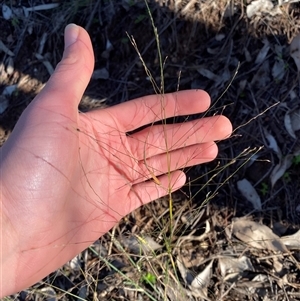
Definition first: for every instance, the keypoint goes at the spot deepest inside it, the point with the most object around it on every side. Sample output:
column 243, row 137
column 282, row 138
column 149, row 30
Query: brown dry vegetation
column 204, row 42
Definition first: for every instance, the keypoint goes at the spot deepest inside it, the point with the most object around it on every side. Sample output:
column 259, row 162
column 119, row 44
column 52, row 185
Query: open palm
column 69, row 177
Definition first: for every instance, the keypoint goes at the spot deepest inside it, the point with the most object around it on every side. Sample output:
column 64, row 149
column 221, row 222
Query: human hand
column 68, row 177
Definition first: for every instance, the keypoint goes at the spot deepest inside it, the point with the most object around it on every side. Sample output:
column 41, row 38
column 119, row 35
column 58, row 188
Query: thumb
column 72, row 75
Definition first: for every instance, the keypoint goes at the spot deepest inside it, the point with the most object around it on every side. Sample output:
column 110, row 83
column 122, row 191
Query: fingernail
column 71, row 34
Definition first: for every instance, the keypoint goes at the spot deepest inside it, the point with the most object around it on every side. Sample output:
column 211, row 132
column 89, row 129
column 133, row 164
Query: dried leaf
column 242, row 86
column 257, row 7
column 278, row 69
column 48, row 293
column 232, row 268
column 273, row 144
column 100, row 74
column 281, row 168
column 261, row 278
column 230, row 10
column 249, row 192
column 10, row 66
column 208, row 74
column 279, row 49
column 8, row 90
column 223, row 78
column 247, row 55
column 202, row 280
column 42, row 43
column 148, row 244
column 295, row 119
column 213, row 50
column 5, row 49
column 263, row 52
column 293, row 95
column 264, row 7
column 175, row 292
column 186, row 274
column 42, row 7
column 257, row 235
column 295, row 50
column 46, row 63
column 82, row 292
column 6, row 12
column 138, row 244
column 260, row 281
column 277, row 264
column 109, row 47
column 261, row 77
column 288, row 125
column 220, row 36
column 3, row 103
column 75, row 263
column 292, row 241
column 20, row 12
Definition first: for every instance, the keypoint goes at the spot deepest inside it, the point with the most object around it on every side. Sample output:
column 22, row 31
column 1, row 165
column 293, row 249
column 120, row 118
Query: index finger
column 146, row 110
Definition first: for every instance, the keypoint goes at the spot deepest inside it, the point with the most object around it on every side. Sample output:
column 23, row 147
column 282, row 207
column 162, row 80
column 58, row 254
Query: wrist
column 8, row 247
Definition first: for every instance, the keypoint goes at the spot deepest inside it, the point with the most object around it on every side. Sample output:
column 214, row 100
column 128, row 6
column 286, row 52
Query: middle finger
column 159, row 139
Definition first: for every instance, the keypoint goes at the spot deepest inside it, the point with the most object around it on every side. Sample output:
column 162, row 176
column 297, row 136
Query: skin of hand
column 68, row 177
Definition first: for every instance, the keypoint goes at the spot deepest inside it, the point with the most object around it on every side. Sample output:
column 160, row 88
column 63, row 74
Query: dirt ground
column 244, row 63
